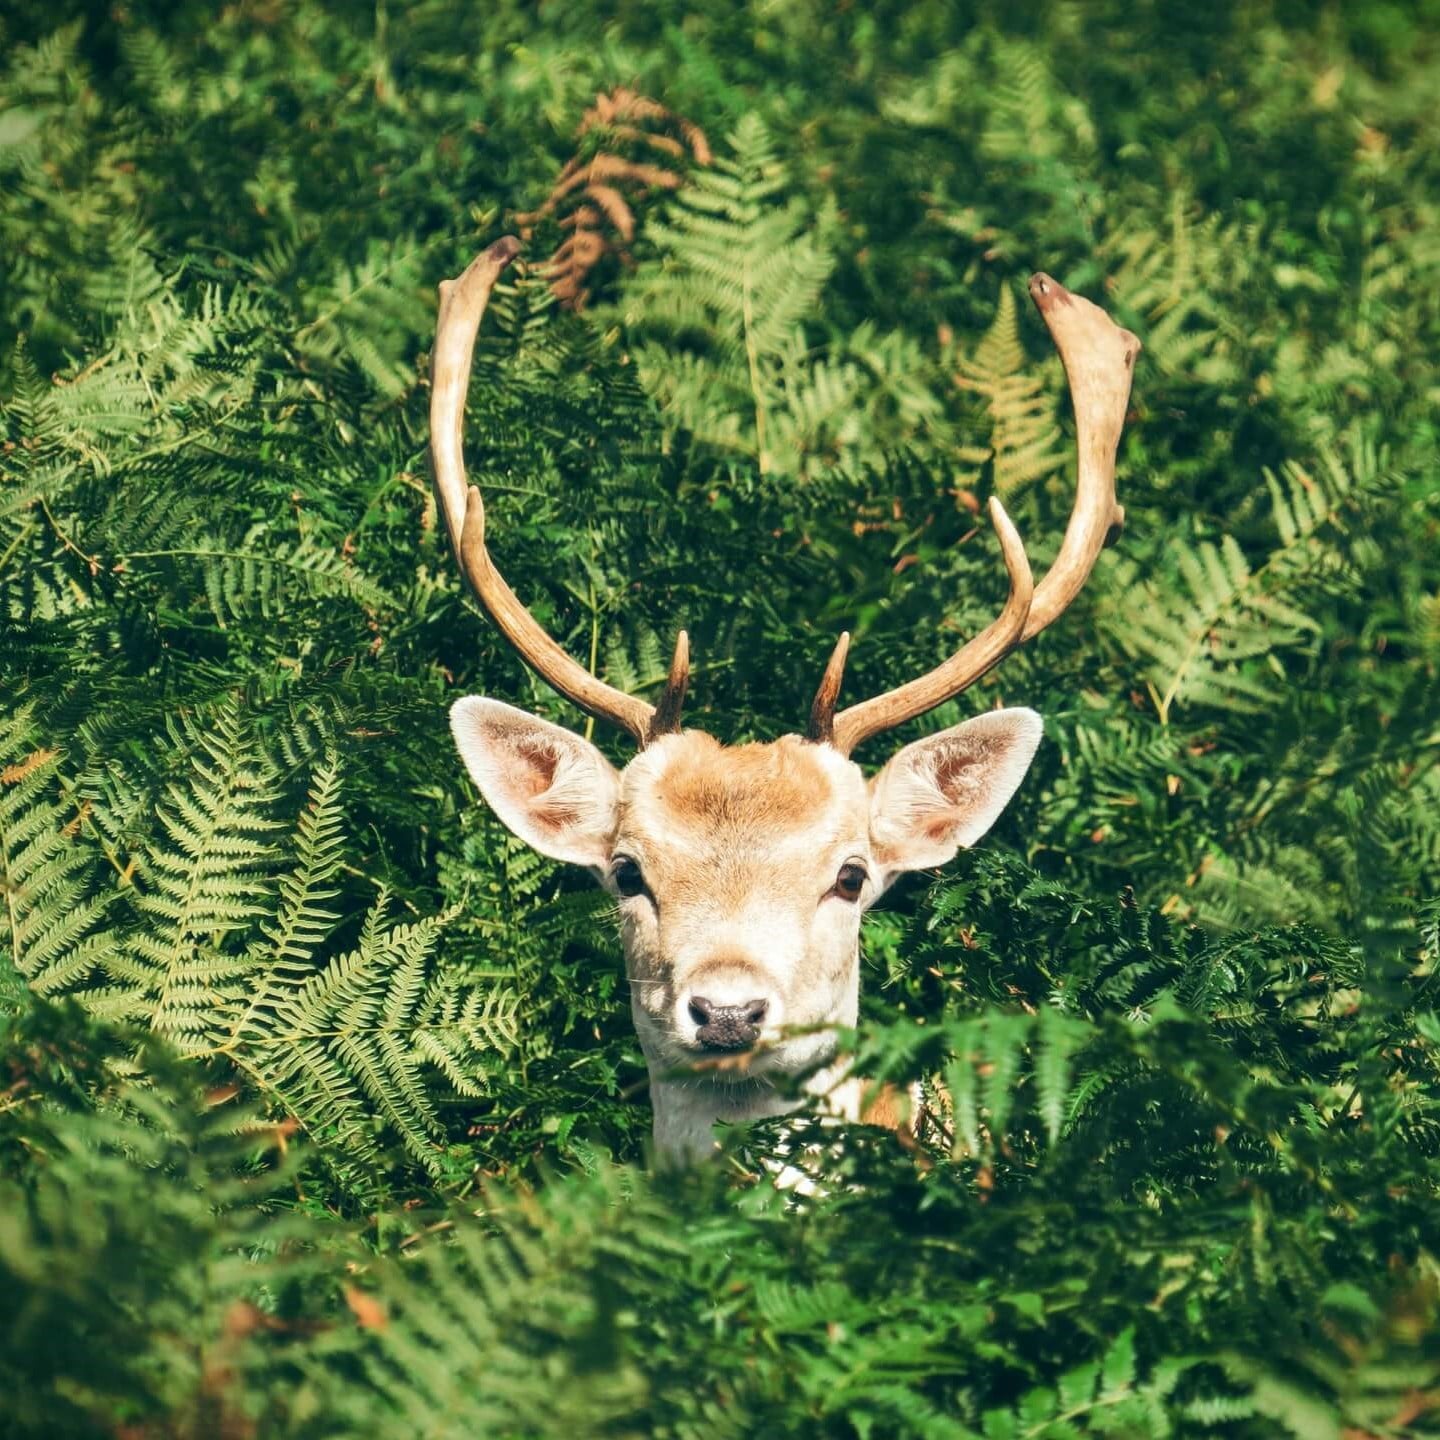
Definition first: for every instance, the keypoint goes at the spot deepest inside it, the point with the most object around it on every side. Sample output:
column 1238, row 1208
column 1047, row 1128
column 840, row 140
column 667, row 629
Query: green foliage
column 51, row 913
column 140, row 1229
column 1024, row 438
column 1223, row 612
column 320, row 1109
column 226, row 954
column 719, row 319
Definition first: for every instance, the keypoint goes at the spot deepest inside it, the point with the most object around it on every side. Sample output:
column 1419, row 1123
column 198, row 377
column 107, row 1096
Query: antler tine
column 1099, row 360
column 462, row 304
column 963, row 668
column 821, row 729
column 666, row 719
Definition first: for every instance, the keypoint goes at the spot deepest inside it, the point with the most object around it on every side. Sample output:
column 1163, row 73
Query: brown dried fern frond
column 595, row 196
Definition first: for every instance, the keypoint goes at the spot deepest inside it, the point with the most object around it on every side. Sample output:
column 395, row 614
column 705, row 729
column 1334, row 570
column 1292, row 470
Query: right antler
column 1099, row 360
column 462, row 304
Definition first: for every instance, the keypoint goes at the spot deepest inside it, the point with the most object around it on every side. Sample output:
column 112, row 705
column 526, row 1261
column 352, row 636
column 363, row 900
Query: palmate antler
column 1099, row 360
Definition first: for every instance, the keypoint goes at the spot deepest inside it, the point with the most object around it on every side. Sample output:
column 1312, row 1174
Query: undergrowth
column 320, row 1110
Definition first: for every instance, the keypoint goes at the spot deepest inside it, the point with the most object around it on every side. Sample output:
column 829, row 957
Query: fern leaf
column 1058, row 1038
column 206, row 880
column 292, row 938
column 1019, row 405
column 50, row 910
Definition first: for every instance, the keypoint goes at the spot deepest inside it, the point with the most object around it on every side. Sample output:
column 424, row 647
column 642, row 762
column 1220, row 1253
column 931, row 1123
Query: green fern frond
column 1058, row 1039
column 286, row 957
column 466, row 1319
column 1184, row 283
column 751, row 272
column 361, row 311
column 1019, row 405
column 1196, row 636
column 1101, row 1397
column 50, row 911
column 324, row 1047
column 263, row 581
column 1203, row 632
column 1026, row 118
column 205, row 879
column 348, row 1042
column 718, row 326
column 465, row 1030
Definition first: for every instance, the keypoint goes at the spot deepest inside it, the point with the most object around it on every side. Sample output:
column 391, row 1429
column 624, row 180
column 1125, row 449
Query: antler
column 462, row 304
column 1099, row 360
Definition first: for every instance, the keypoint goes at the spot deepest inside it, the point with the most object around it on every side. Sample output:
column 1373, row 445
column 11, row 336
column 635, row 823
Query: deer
column 740, row 873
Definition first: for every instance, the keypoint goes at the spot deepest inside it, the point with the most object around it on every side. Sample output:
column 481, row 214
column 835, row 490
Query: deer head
column 741, row 872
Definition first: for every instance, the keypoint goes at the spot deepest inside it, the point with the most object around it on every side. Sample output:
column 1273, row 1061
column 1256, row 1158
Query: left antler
column 1099, row 360
column 462, row 304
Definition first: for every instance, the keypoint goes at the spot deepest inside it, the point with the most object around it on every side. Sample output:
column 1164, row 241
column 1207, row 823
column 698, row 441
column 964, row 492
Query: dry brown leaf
column 14, row 774
column 605, row 190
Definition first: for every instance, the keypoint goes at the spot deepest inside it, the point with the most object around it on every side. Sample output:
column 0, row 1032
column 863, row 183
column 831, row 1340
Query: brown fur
column 886, row 1106
column 775, row 786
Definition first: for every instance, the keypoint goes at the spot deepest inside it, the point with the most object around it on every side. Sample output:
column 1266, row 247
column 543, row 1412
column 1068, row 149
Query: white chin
column 793, row 1055
column 806, row 1051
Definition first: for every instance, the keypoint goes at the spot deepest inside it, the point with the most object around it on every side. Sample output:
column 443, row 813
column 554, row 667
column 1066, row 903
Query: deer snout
column 727, row 1027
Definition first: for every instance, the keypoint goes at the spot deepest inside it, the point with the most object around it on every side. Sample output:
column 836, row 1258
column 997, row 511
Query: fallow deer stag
column 741, row 872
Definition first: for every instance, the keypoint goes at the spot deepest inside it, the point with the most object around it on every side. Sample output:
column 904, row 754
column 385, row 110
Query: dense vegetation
column 320, row 1112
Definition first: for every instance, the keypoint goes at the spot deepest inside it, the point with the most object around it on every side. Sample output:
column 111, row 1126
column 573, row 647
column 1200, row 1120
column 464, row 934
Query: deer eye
column 850, row 881
column 629, row 879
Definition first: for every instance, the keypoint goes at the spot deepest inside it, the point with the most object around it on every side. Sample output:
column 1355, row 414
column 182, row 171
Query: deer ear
column 948, row 790
column 557, row 792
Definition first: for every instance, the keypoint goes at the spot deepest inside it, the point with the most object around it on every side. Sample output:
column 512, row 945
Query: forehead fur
column 703, row 785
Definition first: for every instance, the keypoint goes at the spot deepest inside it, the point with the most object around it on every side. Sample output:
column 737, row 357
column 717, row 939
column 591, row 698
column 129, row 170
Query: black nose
column 727, row 1027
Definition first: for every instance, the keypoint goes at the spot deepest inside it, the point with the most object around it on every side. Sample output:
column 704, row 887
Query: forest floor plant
column 320, row 1111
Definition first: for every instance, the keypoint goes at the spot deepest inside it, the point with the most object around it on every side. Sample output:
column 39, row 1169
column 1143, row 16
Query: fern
column 1025, row 120
column 252, row 581
column 340, row 1042
column 353, row 315
column 464, row 1322
column 50, row 921
column 1103, row 1397
column 208, row 881
column 719, row 320
column 1186, row 1177
column 742, row 272
column 1197, row 642
column 227, row 952
column 285, row 957
column 1199, row 637
column 989, row 1062
column 144, row 1210
column 343, row 1035
column 1019, row 405
column 1184, row 279
column 600, row 191
column 1203, row 637
column 1312, row 511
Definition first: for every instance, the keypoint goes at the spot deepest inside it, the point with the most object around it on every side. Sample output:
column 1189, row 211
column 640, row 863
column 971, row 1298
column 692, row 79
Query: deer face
column 740, row 873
